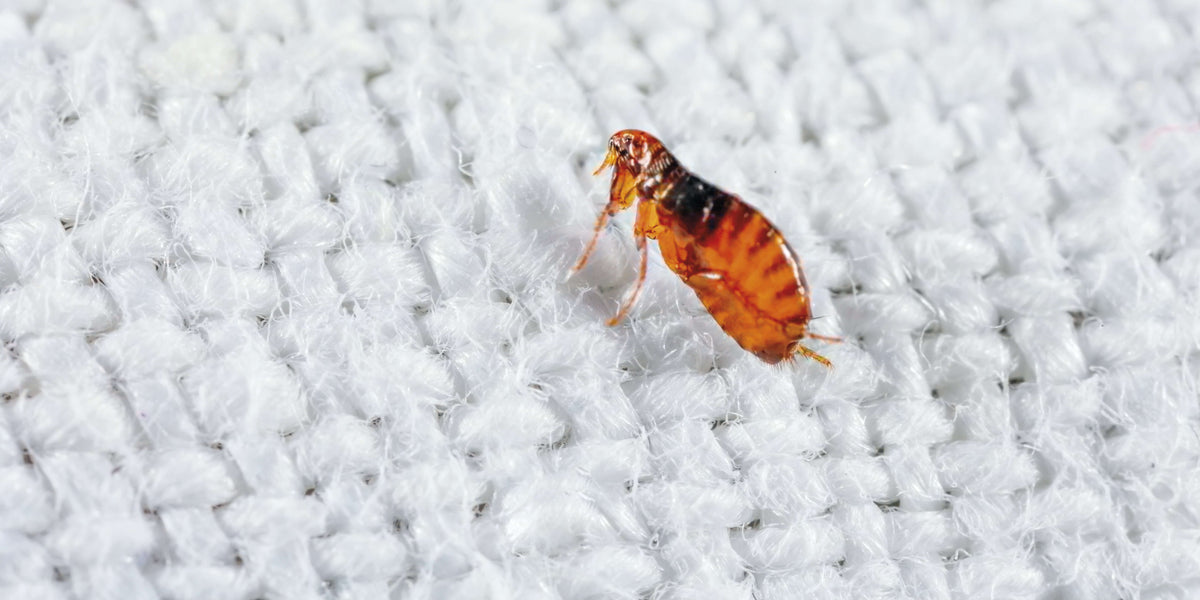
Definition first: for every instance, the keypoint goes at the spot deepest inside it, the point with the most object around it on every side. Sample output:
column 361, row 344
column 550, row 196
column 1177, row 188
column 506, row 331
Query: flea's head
column 634, row 152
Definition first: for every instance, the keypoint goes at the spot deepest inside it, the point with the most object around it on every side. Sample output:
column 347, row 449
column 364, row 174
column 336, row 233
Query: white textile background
column 284, row 306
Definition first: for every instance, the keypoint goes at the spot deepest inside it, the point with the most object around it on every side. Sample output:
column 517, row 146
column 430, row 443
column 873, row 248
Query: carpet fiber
column 285, row 309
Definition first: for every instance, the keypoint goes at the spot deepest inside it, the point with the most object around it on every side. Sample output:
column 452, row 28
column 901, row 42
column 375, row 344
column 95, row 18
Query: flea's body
column 737, row 262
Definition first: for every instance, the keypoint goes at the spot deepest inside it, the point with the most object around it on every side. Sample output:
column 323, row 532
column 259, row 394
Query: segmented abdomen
column 739, row 265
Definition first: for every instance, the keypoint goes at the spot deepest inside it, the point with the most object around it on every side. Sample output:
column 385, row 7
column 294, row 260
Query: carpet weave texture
column 285, row 306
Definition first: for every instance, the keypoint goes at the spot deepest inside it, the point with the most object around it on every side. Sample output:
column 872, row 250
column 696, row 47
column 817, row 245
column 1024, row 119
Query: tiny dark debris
column 891, row 506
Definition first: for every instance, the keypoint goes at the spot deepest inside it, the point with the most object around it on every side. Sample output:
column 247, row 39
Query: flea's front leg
column 622, row 193
column 637, row 286
column 601, row 221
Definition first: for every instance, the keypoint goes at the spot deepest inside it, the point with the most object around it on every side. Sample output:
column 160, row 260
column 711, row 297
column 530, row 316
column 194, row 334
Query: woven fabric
column 285, row 308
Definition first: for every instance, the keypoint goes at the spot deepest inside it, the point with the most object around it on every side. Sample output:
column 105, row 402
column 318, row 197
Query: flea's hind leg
column 813, row 355
column 824, row 338
column 798, row 348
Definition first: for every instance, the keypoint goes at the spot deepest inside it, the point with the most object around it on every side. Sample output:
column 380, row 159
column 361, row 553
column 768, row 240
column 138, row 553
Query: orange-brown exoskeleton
column 737, row 262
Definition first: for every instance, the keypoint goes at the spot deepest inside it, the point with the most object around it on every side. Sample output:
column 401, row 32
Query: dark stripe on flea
column 788, row 291
column 699, row 204
column 778, row 263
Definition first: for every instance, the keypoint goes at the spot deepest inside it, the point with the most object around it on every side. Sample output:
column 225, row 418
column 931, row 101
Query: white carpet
column 285, row 313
